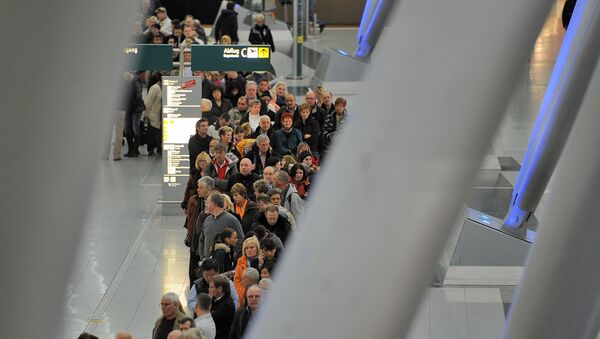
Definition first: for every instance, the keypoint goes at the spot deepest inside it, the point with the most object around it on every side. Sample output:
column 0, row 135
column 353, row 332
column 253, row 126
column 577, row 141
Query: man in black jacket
column 223, row 307
column 275, row 223
column 227, row 24
column 198, row 143
column 260, row 153
column 315, row 111
column 260, row 34
column 290, row 107
column 245, row 177
column 244, row 316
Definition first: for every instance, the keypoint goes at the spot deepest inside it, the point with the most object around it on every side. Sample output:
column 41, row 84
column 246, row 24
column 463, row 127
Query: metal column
column 298, row 39
column 372, row 23
column 558, row 296
column 326, row 280
column 570, row 77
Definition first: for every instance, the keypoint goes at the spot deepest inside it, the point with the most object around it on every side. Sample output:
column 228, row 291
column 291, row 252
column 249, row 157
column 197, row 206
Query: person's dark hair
column 175, row 23
column 263, row 198
column 250, row 235
column 295, row 168
column 268, row 265
column 272, row 208
column 272, row 161
column 220, row 237
column 239, row 130
column 216, row 88
column 210, row 265
column 201, row 121
column 268, row 244
column 274, row 191
column 225, row 116
column 261, row 186
column 203, row 301
column 261, row 231
column 217, row 198
column 223, row 282
column 86, row 335
column 340, row 100
column 230, row 5
column 192, row 322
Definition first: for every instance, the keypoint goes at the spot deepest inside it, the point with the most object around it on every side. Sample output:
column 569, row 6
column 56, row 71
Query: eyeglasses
column 164, row 305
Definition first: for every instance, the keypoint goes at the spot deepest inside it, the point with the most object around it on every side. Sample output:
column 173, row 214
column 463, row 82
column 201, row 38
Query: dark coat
column 310, row 126
column 295, row 115
column 240, row 323
column 319, row 114
column 285, row 143
column 226, row 106
column 261, row 35
column 250, row 216
column 223, row 312
column 254, row 156
column 197, row 145
column 258, row 132
column 281, row 228
column 246, row 180
column 227, row 24
column 330, row 130
column 239, row 83
column 226, row 257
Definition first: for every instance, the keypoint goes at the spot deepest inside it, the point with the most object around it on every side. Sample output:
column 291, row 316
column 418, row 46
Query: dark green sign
column 149, row 57
column 231, row 58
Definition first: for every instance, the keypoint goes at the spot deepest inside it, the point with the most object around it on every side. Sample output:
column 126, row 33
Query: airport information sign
column 181, row 97
column 149, row 57
column 231, row 58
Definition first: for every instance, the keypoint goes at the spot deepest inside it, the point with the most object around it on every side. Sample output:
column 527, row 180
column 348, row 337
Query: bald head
column 245, row 166
column 123, row 335
column 176, row 334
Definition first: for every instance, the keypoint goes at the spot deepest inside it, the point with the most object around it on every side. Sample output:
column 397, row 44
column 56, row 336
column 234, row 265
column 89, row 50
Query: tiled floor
column 132, row 252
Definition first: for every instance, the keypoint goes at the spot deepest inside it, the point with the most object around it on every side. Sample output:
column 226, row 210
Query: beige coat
column 154, row 106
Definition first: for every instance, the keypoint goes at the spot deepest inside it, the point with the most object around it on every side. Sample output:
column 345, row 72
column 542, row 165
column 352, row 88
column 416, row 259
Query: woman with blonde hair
column 279, row 91
column 225, row 40
column 200, row 169
column 250, row 258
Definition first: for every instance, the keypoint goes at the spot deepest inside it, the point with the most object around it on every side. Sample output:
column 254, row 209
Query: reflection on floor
column 130, row 254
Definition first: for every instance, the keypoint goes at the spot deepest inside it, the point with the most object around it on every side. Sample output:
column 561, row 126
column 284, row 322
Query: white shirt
column 207, row 325
column 254, row 121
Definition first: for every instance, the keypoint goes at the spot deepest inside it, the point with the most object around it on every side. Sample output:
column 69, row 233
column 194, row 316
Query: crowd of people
column 252, row 169
column 255, row 157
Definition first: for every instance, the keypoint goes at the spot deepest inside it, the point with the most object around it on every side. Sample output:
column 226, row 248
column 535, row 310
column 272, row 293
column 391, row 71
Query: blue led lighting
column 541, row 133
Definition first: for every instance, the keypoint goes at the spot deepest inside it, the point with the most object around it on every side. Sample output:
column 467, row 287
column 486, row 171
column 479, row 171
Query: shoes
column 132, row 155
column 151, row 153
column 322, row 27
column 117, row 159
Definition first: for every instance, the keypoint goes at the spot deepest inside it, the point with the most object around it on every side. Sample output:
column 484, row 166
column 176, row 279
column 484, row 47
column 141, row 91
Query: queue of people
column 255, row 156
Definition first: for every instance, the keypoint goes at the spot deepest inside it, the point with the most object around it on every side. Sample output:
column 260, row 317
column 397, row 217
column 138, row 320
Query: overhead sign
column 144, row 57
column 231, row 58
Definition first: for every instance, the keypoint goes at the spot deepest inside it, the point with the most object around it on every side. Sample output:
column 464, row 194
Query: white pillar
column 57, row 102
column 559, row 294
column 386, row 202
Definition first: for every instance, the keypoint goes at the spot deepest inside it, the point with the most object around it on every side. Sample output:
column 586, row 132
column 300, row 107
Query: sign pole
column 298, row 39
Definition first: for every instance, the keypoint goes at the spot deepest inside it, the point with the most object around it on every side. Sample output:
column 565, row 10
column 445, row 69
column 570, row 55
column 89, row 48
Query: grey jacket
column 214, row 226
column 293, row 203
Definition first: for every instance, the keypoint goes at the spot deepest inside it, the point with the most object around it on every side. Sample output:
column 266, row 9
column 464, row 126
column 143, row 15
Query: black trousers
column 194, row 260
column 153, row 138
